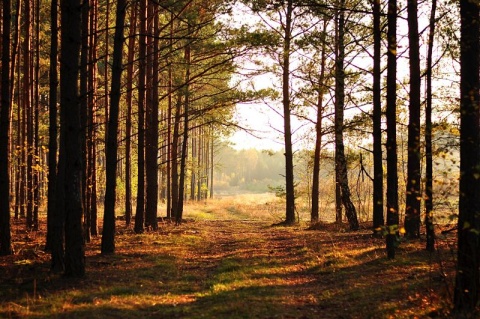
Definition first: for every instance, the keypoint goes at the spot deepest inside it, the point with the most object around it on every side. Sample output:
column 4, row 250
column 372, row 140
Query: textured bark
column 151, row 133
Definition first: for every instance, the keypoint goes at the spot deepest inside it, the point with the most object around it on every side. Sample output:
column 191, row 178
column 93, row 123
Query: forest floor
column 232, row 268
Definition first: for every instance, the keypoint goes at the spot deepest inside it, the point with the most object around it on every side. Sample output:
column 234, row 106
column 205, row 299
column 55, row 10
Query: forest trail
column 231, row 269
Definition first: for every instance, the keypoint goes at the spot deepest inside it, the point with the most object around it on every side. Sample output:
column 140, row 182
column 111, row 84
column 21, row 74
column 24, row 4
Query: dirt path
column 232, row 269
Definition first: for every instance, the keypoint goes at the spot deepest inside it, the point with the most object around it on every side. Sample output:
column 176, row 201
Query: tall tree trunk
column 430, row 245
column 340, row 160
column 169, row 123
column 467, row 282
column 28, row 109
column 289, row 177
column 378, row 219
column 174, row 159
column 108, row 235
column 151, row 133
column 70, row 105
column 5, row 235
column 183, row 159
column 391, row 144
column 14, row 58
column 92, row 110
column 318, row 128
column 56, row 203
column 83, row 113
column 36, row 123
column 53, row 133
column 128, row 121
column 413, row 194
column 140, row 209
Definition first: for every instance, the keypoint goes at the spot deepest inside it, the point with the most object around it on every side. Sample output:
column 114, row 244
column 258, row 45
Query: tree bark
column 340, row 160
column 289, row 176
column 378, row 218
column 151, row 132
column 5, row 235
column 413, row 192
column 108, row 234
column 140, row 209
column 467, row 281
column 70, row 106
column 391, row 144
column 318, row 128
column 430, row 245
column 52, row 128
column 128, row 121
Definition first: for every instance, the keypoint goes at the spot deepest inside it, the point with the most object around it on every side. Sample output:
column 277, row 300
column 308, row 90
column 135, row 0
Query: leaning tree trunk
column 340, row 160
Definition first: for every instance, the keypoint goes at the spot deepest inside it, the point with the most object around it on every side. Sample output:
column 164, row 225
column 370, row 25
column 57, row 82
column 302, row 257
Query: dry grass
column 227, row 261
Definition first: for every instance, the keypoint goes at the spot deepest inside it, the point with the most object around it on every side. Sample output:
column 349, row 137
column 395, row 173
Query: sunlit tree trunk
column 140, row 209
column 128, row 120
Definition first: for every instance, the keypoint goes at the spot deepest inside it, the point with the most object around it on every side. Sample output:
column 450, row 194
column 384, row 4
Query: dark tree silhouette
column 70, row 107
column 5, row 236
column 108, row 234
column 467, row 282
